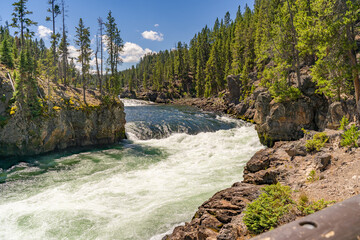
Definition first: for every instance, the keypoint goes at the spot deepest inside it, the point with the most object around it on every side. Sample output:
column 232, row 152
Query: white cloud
column 44, row 32
column 156, row 25
column 133, row 52
column 154, row 36
column 73, row 52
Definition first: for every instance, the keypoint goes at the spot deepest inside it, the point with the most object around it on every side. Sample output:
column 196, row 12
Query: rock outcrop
column 71, row 123
column 218, row 217
column 66, row 128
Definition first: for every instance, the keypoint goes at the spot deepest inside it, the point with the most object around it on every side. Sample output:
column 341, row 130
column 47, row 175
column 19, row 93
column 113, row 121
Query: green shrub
column 343, row 123
column 317, row 142
column 312, row 176
column 350, row 137
column 265, row 212
column 281, row 91
column 307, row 207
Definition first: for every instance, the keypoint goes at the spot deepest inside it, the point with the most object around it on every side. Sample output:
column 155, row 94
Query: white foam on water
column 127, row 193
column 135, row 102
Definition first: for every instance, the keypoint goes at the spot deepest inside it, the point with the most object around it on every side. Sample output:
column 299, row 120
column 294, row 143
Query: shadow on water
column 20, row 168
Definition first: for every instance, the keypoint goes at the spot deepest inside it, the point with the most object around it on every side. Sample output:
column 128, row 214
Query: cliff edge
column 63, row 121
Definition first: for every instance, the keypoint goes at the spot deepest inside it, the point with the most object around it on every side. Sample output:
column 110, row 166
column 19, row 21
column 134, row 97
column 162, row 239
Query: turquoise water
column 174, row 160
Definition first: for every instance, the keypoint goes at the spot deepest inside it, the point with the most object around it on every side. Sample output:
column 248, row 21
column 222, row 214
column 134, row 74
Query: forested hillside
column 273, row 42
column 29, row 62
column 51, row 100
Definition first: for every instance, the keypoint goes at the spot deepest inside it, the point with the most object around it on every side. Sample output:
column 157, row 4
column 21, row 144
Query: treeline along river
column 174, row 159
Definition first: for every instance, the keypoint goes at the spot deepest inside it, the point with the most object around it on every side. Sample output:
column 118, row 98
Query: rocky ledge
column 66, row 128
column 66, row 122
column 332, row 174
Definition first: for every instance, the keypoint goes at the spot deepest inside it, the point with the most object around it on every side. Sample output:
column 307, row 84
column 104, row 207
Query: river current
column 174, row 159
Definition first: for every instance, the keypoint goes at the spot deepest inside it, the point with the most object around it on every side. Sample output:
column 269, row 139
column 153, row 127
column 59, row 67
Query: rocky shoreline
column 332, row 173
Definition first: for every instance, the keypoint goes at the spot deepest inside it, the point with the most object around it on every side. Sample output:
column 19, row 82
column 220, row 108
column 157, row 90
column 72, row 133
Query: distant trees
column 274, row 40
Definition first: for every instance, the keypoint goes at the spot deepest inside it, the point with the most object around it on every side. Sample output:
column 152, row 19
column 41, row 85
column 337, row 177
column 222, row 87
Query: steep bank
column 65, row 121
column 331, row 174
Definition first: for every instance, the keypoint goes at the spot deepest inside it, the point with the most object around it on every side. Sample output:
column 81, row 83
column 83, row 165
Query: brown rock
column 219, row 210
column 259, row 161
column 261, row 177
column 322, row 161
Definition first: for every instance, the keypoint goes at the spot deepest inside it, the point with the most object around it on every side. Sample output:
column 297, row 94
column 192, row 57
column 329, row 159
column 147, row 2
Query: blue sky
column 146, row 25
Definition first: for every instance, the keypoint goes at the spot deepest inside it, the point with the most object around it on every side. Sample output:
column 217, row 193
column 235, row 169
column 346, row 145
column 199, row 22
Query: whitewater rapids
column 138, row 189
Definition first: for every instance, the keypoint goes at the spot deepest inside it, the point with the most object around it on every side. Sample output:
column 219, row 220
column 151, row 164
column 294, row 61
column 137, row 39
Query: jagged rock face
column 338, row 110
column 234, row 87
column 283, row 121
column 219, row 217
column 67, row 128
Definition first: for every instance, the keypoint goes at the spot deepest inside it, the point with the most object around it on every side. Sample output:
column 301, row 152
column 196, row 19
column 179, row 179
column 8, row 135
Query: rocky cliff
column 69, row 123
column 284, row 121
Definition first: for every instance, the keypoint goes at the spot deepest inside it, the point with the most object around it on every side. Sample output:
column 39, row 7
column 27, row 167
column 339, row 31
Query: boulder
column 296, row 149
column 260, row 161
column 323, row 161
column 268, row 176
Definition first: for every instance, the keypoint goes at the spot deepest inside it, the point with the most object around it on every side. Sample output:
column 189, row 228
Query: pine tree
column 6, row 54
column 64, row 44
column 21, row 21
column 83, row 41
column 54, row 10
column 114, row 47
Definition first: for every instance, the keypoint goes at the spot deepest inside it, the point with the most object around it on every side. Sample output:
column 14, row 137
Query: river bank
column 330, row 174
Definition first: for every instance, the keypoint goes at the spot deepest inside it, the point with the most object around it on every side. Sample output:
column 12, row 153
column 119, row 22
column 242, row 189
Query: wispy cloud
column 156, row 25
column 133, row 52
column 154, row 36
column 44, row 32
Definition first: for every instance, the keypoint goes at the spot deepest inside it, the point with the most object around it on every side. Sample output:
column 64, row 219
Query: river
column 175, row 158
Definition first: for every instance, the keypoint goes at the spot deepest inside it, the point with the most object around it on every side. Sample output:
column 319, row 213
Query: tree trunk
column 97, row 64
column 65, row 45
column 295, row 51
column 101, row 24
column 355, row 72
